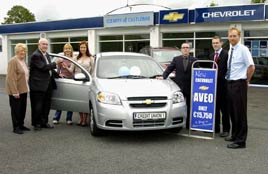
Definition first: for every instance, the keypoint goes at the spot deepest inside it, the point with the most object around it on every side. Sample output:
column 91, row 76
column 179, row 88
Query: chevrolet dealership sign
column 173, row 16
column 232, row 13
column 126, row 20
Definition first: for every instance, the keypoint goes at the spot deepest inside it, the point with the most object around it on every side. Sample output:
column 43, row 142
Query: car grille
column 141, row 105
column 148, row 123
column 145, row 98
column 142, row 102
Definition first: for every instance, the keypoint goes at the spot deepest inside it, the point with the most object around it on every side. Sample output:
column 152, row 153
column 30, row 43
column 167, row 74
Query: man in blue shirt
column 240, row 68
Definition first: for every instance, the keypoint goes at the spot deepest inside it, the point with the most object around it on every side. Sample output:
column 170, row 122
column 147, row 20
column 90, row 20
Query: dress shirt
column 241, row 60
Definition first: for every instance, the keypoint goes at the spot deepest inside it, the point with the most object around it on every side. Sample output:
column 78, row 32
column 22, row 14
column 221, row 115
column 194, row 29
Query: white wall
column 3, row 56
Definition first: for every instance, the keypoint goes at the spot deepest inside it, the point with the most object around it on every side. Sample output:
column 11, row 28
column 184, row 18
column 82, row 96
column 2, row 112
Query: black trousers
column 18, row 109
column 221, row 112
column 237, row 106
column 187, row 97
column 40, row 103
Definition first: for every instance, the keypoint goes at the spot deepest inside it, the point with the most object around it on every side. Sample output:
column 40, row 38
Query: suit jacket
column 16, row 82
column 40, row 78
column 183, row 77
column 222, row 66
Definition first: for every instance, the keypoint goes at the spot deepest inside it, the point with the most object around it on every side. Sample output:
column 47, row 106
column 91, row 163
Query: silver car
column 122, row 94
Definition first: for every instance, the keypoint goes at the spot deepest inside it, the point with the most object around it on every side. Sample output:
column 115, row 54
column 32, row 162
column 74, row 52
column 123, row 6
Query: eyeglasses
column 185, row 47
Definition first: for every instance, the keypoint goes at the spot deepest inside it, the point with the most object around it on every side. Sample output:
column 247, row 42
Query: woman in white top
column 17, row 87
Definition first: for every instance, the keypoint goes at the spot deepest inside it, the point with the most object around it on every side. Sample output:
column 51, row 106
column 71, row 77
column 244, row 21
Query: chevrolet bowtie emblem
column 148, row 101
column 173, row 16
column 203, row 88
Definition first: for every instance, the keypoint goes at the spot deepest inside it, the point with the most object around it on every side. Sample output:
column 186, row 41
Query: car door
column 72, row 94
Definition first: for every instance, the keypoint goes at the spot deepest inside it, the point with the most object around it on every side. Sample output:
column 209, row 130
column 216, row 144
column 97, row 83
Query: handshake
column 58, row 61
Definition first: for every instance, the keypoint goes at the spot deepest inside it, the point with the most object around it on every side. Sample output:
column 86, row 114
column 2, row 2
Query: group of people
column 235, row 69
column 39, row 81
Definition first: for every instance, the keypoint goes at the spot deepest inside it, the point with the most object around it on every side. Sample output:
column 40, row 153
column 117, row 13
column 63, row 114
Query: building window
column 199, row 41
column 257, row 42
column 56, row 44
column 125, row 43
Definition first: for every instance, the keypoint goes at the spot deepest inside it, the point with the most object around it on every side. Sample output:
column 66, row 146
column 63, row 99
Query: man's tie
column 216, row 57
column 229, row 65
column 185, row 63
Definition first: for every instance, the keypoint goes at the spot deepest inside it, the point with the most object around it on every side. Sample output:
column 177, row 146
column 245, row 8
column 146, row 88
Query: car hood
column 137, row 87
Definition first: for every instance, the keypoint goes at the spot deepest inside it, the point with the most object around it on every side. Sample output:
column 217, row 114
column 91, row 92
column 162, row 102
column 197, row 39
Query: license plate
column 149, row 116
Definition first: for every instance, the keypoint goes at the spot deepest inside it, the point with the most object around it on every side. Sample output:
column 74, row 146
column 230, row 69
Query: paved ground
column 71, row 149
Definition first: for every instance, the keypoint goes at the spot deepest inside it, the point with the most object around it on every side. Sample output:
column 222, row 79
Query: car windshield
column 113, row 67
column 164, row 56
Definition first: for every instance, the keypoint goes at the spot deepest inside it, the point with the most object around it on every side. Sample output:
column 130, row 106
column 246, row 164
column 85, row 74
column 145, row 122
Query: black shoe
column 24, row 128
column 37, row 127
column 18, row 131
column 229, row 139
column 224, row 134
column 236, row 145
column 47, row 126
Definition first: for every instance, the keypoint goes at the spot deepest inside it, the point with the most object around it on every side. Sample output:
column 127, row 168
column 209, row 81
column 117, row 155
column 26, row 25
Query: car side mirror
column 80, row 77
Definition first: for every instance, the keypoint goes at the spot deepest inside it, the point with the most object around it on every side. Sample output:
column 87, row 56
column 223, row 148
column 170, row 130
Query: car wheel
column 175, row 130
column 94, row 130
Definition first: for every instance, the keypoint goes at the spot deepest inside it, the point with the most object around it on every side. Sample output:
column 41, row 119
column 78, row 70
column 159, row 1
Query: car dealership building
column 131, row 32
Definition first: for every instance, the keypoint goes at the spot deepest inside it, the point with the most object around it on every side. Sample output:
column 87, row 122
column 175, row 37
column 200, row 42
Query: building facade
column 131, row 32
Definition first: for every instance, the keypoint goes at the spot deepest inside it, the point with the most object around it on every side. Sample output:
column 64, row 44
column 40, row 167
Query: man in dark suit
column 220, row 56
column 182, row 64
column 41, row 82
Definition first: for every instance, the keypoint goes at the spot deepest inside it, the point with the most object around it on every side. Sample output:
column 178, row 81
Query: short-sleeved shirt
column 241, row 60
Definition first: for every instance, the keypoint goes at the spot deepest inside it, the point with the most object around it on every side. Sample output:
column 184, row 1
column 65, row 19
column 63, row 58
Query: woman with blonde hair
column 64, row 73
column 17, row 87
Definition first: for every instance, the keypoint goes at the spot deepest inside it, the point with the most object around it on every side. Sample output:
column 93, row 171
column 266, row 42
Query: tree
column 258, row 1
column 18, row 14
column 213, row 4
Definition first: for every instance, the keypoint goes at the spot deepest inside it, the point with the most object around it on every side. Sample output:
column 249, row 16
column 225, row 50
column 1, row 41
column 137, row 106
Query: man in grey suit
column 183, row 66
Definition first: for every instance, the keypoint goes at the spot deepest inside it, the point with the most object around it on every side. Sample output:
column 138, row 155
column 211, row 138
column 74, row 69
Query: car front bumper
column 120, row 117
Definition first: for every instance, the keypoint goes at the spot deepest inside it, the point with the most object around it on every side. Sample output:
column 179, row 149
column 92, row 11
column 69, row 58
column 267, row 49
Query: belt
column 235, row 81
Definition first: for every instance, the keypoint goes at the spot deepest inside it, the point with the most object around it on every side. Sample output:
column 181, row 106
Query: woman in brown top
column 17, row 88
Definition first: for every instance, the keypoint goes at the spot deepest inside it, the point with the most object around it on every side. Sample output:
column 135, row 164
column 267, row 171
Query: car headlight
column 177, row 97
column 108, row 98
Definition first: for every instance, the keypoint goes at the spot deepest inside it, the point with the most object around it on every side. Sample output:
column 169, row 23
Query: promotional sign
column 126, row 20
column 231, row 13
column 173, row 16
column 203, row 98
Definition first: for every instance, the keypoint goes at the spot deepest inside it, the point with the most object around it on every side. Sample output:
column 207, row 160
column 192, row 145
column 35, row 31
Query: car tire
column 94, row 130
column 175, row 130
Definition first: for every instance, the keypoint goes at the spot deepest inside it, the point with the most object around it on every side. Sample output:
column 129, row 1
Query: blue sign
column 126, row 20
column 266, row 11
column 203, row 99
column 231, row 13
column 173, row 16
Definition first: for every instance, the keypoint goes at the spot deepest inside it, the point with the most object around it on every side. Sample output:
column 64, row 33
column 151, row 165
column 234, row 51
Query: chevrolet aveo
column 122, row 94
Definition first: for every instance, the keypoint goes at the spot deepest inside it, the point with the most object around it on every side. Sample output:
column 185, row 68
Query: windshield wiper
column 128, row 77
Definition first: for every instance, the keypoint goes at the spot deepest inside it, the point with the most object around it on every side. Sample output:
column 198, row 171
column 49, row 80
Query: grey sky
column 62, row 9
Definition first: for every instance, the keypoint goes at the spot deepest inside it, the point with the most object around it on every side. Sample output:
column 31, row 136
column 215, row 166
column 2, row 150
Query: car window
column 110, row 67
